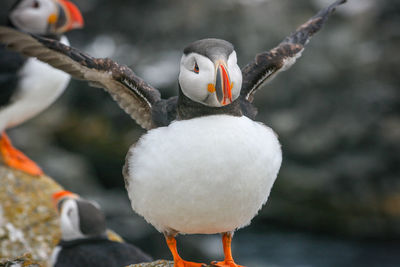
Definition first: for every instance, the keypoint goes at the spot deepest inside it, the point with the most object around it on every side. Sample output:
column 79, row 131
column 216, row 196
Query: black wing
column 133, row 94
column 10, row 64
column 267, row 64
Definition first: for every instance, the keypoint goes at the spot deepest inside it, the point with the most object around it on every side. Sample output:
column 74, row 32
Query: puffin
column 84, row 240
column 204, row 166
column 28, row 86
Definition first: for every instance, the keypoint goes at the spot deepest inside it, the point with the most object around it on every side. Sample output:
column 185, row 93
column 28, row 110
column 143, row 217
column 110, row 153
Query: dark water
column 279, row 248
column 260, row 245
column 295, row 249
column 263, row 243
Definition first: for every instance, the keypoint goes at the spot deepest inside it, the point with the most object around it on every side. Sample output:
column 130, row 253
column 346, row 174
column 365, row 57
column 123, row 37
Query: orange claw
column 228, row 262
column 178, row 261
column 16, row 159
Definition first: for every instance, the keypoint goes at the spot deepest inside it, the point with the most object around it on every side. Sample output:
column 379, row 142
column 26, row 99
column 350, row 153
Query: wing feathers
column 267, row 64
column 303, row 33
column 133, row 94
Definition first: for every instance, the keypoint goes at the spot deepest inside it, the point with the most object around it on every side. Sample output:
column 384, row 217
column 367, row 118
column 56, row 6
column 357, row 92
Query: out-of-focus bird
column 204, row 166
column 28, row 86
column 84, row 241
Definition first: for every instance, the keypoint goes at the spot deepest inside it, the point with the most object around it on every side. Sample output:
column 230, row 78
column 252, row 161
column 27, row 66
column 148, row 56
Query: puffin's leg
column 178, row 261
column 228, row 262
column 16, row 159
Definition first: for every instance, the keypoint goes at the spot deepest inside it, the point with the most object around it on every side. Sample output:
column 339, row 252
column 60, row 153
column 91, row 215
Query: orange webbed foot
column 228, row 262
column 16, row 159
column 178, row 261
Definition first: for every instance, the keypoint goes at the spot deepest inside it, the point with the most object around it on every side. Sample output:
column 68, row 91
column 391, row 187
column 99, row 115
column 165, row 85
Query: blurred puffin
column 27, row 85
column 204, row 166
column 84, row 240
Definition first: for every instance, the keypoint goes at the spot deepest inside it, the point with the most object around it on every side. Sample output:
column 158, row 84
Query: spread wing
column 133, row 94
column 267, row 64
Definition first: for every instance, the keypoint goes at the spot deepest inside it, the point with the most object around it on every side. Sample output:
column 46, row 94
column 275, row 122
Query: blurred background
column 336, row 201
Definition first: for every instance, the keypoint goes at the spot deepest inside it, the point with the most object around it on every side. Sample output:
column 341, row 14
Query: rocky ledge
column 28, row 221
column 159, row 263
column 24, row 261
column 29, row 224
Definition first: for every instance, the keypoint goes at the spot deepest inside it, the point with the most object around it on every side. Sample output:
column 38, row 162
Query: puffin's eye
column 35, row 4
column 196, row 68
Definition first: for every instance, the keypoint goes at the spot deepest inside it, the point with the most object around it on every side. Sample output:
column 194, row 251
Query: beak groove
column 223, row 86
column 219, row 86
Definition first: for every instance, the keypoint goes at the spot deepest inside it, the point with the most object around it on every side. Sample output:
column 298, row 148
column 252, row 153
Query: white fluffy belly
column 205, row 175
column 40, row 85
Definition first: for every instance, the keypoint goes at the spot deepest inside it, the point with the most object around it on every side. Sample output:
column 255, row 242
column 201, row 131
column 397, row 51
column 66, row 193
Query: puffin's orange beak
column 58, row 196
column 223, row 85
column 74, row 16
column 68, row 18
column 227, row 86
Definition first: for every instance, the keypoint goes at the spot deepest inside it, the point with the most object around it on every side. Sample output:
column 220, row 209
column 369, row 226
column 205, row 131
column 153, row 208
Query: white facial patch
column 69, row 221
column 32, row 15
column 194, row 85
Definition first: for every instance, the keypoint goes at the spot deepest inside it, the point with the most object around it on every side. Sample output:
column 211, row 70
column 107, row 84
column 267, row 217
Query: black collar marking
column 189, row 109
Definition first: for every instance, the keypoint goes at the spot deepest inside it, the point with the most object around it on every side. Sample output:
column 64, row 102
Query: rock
column 159, row 263
column 25, row 261
column 28, row 221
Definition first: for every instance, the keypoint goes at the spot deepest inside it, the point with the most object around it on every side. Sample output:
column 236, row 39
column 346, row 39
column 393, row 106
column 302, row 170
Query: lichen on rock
column 158, row 263
column 23, row 261
column 28, row 221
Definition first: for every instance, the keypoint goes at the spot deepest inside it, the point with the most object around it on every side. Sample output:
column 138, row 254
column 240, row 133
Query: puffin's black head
column 210, row 48
column 45, row 17
column 79, row 218
column 209, row 73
